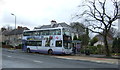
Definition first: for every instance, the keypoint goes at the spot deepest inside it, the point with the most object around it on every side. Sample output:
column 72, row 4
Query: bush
column 116, row 54
column 116, row 45
column 10, row 46
column 100, row 49
column 96, row 49
column 93, row 49
column 3, row 43
column 19, row 46
column 82, row 51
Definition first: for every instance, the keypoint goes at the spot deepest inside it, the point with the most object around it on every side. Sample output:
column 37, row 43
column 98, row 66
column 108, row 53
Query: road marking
column 98, row 61
column 37, row 61
column 9, row 56
column 65, row 58
column 89, row 60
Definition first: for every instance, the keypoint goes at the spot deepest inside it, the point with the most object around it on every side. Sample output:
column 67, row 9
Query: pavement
column 0, row 58
column 91, row 58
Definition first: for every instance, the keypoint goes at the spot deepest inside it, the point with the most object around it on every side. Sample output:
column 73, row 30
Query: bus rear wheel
column 50, row 52
column 28, row 50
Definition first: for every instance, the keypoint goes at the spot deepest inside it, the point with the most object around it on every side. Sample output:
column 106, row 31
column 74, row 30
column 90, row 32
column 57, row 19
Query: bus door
column 24, row 46
column 67, row 46
column 57, row 48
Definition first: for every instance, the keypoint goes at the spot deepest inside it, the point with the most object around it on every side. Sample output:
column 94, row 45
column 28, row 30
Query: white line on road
column 37, row 61
column 64, row 58
column 9, row 56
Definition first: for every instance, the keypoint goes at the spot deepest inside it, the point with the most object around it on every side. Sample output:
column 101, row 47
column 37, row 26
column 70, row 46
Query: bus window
column 52, row 32
column 39, row 43
column 30, row 43
column 27, row 34
column 45, row 32
column 36, row 33
column 40, row 32
column 58, row 32
column 33, row 33
column 67, row 45
column 34, row 43
column 59, row 43
column 66, row 32
column 47, row 43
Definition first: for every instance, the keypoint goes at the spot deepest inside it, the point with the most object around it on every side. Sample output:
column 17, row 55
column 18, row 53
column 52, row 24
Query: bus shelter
column 77, row 45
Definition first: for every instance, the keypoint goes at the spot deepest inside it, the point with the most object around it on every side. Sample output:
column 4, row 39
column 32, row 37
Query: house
column 0, row 36
column 13, row 37
column 101, row 40
column 118, row 33
column 55, row 24
column 5, row 36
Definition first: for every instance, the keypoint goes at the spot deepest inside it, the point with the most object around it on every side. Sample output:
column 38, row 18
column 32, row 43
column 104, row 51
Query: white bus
column 50, row 40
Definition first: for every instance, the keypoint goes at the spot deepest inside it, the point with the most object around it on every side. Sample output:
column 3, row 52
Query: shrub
column 82, row 51
column 100, row 49
column 10, row 46
column 3, row 43
column 19, row 46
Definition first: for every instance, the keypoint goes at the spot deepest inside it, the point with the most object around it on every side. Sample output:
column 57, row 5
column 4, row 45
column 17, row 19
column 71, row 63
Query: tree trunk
column 106, row 46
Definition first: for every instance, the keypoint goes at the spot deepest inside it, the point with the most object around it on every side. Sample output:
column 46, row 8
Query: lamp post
column 15, row 19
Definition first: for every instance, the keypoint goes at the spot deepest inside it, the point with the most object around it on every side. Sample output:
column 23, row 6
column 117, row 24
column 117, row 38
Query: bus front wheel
column 50, row 52
column 28, row 50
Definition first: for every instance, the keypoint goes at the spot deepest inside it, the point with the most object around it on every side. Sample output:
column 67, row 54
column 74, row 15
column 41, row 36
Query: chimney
column 19, row 27
column 53, row 22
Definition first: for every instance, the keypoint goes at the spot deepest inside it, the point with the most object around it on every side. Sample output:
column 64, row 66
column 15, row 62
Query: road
column 15, row 59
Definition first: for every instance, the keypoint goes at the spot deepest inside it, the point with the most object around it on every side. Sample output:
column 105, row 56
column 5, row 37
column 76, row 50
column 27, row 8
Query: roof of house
column 100, row 38
column 6, row 32
column 16, row 31
column 13, row 32
column 63, row 24
column 55, row 25
column 44, row 26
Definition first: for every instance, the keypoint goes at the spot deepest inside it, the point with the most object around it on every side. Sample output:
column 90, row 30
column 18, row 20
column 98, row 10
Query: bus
column 50, row 40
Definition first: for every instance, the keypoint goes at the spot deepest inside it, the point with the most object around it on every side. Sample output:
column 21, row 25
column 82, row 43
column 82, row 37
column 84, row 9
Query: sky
column 33, row 13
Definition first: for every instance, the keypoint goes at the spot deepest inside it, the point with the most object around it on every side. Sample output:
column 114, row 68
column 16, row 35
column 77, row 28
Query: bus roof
column 45, row 29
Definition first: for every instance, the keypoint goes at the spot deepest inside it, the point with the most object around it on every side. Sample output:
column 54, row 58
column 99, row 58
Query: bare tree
column 100, row 15
column 79, row 27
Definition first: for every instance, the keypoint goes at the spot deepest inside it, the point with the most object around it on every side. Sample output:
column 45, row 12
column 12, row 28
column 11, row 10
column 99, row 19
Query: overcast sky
column 33, row 13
